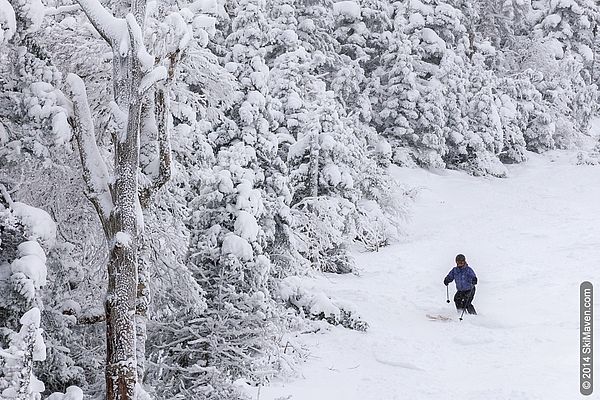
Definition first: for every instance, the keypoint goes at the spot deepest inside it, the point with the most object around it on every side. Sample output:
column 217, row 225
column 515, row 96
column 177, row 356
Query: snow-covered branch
column 110, row 28
column 95, row 172
column 161, row 113
column 137, row 41
column 150, row 79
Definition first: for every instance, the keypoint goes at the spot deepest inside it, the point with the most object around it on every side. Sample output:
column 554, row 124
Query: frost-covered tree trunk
column 116, row 196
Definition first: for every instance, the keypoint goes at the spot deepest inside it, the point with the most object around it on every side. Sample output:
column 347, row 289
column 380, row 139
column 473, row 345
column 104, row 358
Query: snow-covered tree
column 17, row 380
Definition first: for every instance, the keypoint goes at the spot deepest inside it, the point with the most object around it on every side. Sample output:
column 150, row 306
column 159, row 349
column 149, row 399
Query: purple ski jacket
column 464, row 276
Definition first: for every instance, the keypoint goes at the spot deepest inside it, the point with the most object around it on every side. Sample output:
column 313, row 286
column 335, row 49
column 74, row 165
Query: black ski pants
column 463, row 299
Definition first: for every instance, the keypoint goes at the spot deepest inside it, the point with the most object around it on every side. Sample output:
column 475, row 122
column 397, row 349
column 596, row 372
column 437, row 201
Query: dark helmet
column 460, row 257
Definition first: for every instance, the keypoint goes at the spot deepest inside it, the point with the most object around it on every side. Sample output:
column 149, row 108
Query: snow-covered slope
column 531, row 238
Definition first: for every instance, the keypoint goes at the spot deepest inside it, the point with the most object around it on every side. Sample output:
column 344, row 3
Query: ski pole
column 447, row 295
column 463, row 313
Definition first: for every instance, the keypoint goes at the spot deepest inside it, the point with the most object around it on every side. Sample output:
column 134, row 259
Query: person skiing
column 465, row 279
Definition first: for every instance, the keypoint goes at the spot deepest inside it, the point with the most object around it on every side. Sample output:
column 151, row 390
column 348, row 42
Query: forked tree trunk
column 122, row 236
column 117, row 197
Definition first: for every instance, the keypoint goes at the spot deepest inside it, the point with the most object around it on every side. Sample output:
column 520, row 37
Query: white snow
column 429, row 36
column 32, row 267
column 98, row 172
column 532, row 238
column 246, row 226
column 333, row 174
column 8, row 24
column 31, row 248
column 307, row 25
column 586, row 52
column 38, row 223
column 239, row 247
column 35, row 12
column 225, row 183
column 32, row 317
column 157, row 74
column 72, row 393
column 256, row 98
column 61, row 128
column 551, row 21
column 298, row 149
column 249, row 199
column 383, row 147
column 348, row 9
column 71, row 307
column 205, row 23
column 416, row 20
column 302, row 293
column 554, row 48
column 206, row 6
column 140, row 393
column 294, row 102
column 113, row 29
column 423, row 9
column 122, row 239
column 145, row 59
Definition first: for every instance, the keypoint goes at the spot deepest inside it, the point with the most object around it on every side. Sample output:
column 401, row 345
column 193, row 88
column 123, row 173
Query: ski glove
column 446, row 281
column 474, row 281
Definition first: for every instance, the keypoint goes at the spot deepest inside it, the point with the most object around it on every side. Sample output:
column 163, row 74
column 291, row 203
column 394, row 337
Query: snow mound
column 246, row 226
column 38, row 223
column 33, row 267
column 237, row 246
column 72, row 393
column 348, row 9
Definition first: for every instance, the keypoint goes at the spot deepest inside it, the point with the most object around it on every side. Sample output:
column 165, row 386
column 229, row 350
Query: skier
column 466, row 280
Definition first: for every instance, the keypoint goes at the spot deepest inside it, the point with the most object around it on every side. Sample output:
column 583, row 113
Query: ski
column 439, row 317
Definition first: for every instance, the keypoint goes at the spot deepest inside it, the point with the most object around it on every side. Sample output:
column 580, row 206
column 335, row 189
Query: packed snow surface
column 532, row 238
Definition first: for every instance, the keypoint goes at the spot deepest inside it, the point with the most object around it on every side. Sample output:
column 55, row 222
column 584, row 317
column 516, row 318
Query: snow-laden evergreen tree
column 238, row 194
column 561, row 50
column 572, row 23
column 17, row 380
column 37, row 164
column 350, row 30
column 28, row 233
column 498, row 22
column 376, row 15
column 23, row 270
column 416, row 57
column 199, row 98
column 484, row 135
column 394, row 95
column 514, row 116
